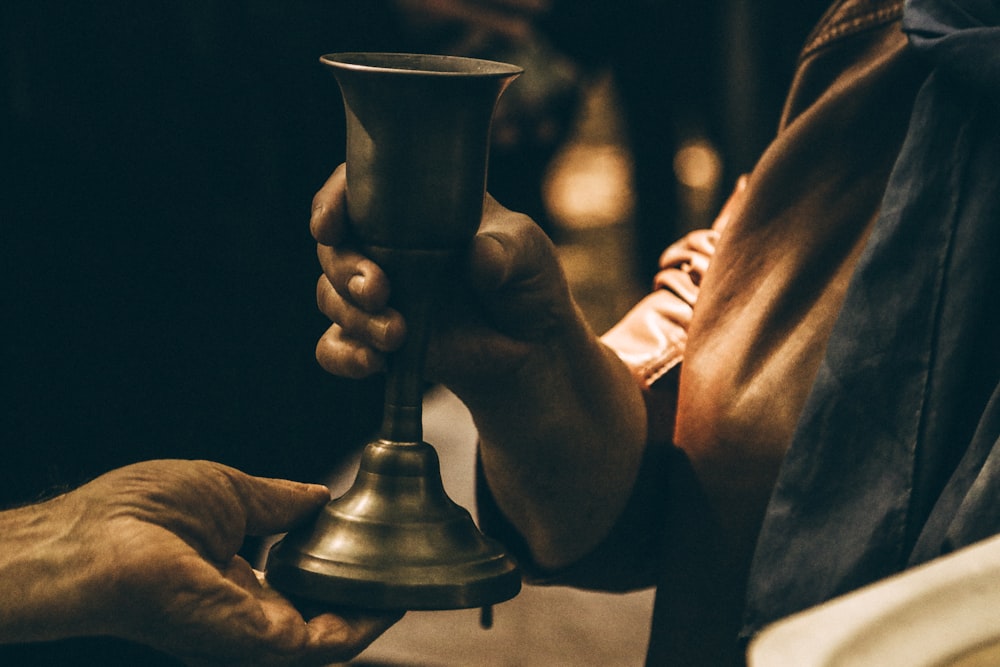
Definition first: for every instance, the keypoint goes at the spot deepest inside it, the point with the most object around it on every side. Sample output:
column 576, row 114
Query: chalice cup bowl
column 418, row 135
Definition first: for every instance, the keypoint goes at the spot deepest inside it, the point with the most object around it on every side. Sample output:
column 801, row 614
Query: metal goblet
column 418, row 134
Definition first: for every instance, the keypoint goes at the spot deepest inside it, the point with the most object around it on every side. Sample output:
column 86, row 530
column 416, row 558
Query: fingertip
column 388, row 332
column 355, row 363
column 366, row 361
column 369, row 286
column 320, row 492
column 329, row 207
column 309, row 491
column 489, row 261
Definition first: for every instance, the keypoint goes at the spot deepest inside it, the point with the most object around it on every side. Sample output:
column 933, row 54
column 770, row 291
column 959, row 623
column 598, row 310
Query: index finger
column 328, row 219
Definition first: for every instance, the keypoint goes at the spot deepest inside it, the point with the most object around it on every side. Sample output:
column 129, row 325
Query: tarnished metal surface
column 418, row 129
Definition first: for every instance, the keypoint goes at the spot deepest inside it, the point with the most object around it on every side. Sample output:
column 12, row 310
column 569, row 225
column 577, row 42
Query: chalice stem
column 417, row 277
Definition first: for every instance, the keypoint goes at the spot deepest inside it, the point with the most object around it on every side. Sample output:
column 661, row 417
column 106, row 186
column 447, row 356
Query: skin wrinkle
column 148, row 553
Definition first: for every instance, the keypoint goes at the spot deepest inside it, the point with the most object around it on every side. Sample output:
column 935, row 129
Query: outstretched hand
column 148, row 553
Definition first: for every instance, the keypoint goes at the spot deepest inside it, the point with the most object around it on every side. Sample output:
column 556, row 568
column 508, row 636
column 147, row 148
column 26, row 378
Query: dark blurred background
column 159, row 159
column 158, row 273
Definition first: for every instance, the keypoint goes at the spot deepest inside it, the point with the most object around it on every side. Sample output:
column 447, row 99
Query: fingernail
column 356, row 285
column 379, row 328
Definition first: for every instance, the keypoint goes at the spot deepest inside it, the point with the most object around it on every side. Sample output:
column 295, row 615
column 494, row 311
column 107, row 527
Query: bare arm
column 561, row 440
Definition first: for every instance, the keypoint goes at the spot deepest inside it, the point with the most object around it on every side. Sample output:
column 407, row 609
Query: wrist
column 561, row 445
column 50, row 586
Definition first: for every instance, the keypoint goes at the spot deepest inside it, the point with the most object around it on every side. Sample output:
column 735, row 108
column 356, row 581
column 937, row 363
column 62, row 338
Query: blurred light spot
column 697, row 165
column 590, row 186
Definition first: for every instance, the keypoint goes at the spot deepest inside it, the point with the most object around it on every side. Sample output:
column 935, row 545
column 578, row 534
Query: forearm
column 561, row 442
column 47, row 574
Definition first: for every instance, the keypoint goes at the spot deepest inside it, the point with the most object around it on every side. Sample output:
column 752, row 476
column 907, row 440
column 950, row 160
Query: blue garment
column 896, row 458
